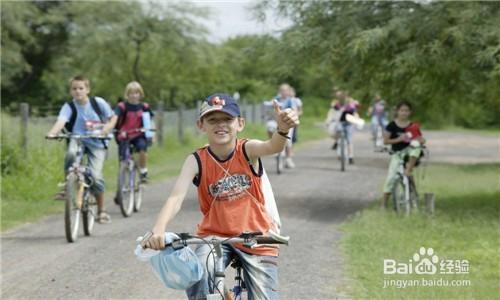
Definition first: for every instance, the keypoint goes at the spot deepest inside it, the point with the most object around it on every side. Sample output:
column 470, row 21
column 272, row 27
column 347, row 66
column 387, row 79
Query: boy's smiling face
column 79, row 90
column 221, row 128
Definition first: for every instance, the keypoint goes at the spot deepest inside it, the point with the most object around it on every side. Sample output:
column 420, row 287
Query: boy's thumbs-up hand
column 286, row 119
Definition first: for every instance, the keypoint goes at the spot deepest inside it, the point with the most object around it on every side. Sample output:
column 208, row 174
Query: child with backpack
column 83, row 115
column 131, row 116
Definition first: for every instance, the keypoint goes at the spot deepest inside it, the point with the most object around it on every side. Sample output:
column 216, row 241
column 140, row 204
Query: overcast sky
column 233, row 17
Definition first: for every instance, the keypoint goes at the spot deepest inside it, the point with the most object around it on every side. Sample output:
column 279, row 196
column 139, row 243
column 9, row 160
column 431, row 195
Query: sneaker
column 334, row 147
column 103, row 218
column 289, row 163
column 144, row 177
column 351, row 161
column 61, row 196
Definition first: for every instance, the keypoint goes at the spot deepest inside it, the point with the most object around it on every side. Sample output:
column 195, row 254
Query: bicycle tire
column 138, row 190
column 88, row 214
column 279, row 163
column 126, row 188
column 400, row 203
column 71, row 212
column 414, row 198
column 342, row 152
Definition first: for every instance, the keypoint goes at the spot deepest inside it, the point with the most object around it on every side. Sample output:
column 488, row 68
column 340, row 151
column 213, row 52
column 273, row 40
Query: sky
column 230, row 18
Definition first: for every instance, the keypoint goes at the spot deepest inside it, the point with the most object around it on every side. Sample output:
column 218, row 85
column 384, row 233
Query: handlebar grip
column 271, row 240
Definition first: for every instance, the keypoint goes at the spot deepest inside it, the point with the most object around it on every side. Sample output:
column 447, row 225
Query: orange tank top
column 230, row 196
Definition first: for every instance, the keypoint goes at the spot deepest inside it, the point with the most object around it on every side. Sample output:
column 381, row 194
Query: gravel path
column 313, row 200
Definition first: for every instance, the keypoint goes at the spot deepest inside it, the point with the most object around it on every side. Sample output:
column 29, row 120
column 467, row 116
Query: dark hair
column 404, row 103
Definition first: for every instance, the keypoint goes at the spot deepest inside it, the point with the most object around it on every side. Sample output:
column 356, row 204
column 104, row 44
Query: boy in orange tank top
column 227, row 173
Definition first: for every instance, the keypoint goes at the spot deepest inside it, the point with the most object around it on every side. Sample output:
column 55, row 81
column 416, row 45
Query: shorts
column 348, row 128
column 139, row 144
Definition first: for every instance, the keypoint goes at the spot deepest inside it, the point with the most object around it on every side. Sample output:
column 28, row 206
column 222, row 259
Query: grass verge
column 466, row 226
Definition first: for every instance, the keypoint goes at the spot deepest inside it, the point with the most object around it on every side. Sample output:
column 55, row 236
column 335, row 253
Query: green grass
column 466, row 225
column 488, row 131
column 29, row 181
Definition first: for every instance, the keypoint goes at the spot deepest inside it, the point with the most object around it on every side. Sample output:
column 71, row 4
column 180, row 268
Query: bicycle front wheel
column 279, row 163
column 400, row 200
column 342, row 153
column 139, row 188
column 126, row 189
column 72, row 211
column 89, row 212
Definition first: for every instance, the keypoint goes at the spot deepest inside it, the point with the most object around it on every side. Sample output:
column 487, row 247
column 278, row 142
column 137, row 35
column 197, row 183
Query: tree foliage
column 443, row 56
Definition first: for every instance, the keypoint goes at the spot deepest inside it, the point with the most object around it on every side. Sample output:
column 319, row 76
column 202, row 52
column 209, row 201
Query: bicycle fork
column 218, row 276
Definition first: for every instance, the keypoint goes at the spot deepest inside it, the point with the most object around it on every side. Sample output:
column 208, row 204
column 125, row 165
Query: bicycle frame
column 408, row 184
column 81, row 172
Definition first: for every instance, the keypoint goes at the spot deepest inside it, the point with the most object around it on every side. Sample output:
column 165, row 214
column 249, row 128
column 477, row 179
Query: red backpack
column 129, row 120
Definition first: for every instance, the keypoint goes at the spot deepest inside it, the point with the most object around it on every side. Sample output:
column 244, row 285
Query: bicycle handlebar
column 77, row 136
column 248, row 239
column 134, row 130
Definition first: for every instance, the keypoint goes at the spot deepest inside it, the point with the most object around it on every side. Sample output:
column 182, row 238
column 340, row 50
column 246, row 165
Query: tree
column 436, row 54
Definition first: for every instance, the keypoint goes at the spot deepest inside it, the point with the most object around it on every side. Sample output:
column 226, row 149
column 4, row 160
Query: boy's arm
column 110, row 125
column 286, row 119
column 58, row 126
column 173, row 203
column 112, row 118
column 62, row 118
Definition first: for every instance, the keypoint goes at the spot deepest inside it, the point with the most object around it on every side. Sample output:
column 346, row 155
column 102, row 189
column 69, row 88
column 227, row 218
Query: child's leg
column 374, row 126
column 141, row 146
column 200, row 289
column 414, row 155
column 391, row 176
column 96, row 157
column 350, row 149
column 260, row 274
column 70, row 156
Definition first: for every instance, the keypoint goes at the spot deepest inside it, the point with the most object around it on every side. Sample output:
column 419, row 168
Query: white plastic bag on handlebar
column 177, row 269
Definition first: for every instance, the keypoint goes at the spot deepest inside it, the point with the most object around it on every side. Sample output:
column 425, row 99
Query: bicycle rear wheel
column 139, row 188
column 279, row 163
column 126, row 189
column 414, row 201
column 72, row 210
column 89, row 212
column 399, row 199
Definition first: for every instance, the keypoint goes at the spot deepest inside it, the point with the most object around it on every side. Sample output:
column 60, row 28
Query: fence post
column 254, row 113
column 180, row 123
column 24, row 111
column 159, row 123
column 429, row 203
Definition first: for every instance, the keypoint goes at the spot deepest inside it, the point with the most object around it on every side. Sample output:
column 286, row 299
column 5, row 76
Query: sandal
column 103, row 218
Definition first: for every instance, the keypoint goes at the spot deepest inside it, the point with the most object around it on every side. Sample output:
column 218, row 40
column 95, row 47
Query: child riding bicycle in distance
column 399, row 133
column 227, row 173
column 81, row 115
column 130, row 121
